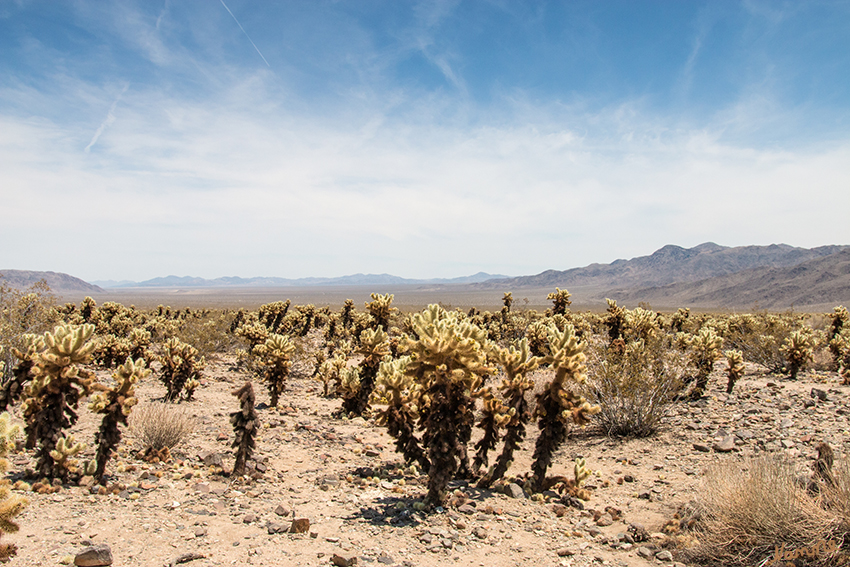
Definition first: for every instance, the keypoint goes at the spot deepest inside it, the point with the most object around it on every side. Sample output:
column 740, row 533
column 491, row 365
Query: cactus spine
column 736, row 368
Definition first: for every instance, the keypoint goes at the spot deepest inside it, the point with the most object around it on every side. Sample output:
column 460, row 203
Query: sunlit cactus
column 380, row 309
column 640, row 324
column 518, row 364
column 111, row 350
column 798, row 350
column 330, row 372
column 558, row 405
column 64, row 463
column 448, row 361
column 10, row 505
column 508, row 300
column 115, row 404
column 560, row 301
column 140, row 340
column 181, row 369
column 704, row 350
column 735, row 369
column 58, row 383
column 271, row 316
column 678, row 320
column 537, row 335
column 616, row 320
column 87, row 309
column 400, row 393
column 245, row 423
column 274, row 362
column 255, row 333
column 374, row 346
column 20, row 375
column 495, row 415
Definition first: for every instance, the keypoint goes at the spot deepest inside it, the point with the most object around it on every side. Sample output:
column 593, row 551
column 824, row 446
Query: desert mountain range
column 710, row 276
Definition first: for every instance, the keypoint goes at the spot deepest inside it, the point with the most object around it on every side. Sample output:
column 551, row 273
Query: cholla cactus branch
column 245, row 423
column 735, row 370
column 395, row 388
column 560, row 300
column 115, row 404
column 374, row 346
column 275, row 362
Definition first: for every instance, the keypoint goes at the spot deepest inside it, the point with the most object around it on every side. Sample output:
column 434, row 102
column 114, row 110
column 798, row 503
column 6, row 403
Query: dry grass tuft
column 748, row 515
column 161, row 426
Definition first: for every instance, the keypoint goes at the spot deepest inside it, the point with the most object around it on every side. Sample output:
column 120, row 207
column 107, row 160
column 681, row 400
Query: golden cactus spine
column 735, row 370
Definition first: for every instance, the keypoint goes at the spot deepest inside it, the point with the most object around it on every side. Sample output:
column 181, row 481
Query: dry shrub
column 747, row 515
column 159, row 426
column 633, row 384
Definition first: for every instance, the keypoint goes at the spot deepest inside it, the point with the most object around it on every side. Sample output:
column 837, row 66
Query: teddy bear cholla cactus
column 374, row 346
column 560, row 301
column 518, row 365
column 115, row 404
column 705, row 350
column 736, row 368
column 274, row 362
column 495, row 415
column 181, row 369
column 798, row 350
column 245, row 423
column 448, row 361
column 10, row 505
column 400, row 393
column 380, row 309
column 558, row 405
column 57, row 385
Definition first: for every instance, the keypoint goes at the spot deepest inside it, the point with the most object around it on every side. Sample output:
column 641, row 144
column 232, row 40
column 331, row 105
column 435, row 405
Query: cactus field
column 366, row 434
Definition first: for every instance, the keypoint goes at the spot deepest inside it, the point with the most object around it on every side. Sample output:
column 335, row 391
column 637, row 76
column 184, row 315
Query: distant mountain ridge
column 56, row 280
column 353, row 280
column 668, row 265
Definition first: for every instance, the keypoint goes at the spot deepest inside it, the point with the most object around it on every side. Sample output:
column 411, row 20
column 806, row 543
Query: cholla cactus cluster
column 558, row 405
column 798, row 350
column 275, row 362
column 398, row 390
column 181, row 369
column 448, row 361
column 705, row 350
column 58, row 383
column 561, row 300
column 115, row 404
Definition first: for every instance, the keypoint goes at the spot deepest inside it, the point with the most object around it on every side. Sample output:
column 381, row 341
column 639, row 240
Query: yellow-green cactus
column 274, row 363
column 704, row 351
column 8, row 434
column 560, row 300
column 380, row 309
column 735, row 370
column 181, row 369
column 448, row 360
column 798, row 350
column 558, row 405
column 115, row 404
column 63, row 458
column 58, row 383
column 400, row 393
column 10, row 506
column 374, row 346
column 330, row 371
column 518, row 364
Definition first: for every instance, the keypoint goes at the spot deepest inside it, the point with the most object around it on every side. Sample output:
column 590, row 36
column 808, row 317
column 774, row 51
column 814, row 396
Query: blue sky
column 422, row 139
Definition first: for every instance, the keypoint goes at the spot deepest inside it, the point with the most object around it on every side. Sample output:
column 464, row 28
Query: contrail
column 110, row 118
column 246, row 33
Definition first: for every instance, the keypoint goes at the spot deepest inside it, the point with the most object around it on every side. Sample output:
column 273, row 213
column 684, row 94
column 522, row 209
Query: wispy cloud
column 246, row 34
column 110, row 118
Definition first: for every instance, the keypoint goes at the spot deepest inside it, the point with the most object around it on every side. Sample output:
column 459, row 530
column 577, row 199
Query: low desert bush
column 748, row 515
column 633, row 384
column 161, row 426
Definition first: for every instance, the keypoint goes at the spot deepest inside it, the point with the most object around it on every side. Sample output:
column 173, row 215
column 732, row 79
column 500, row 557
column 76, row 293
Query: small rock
column 701, row 448
column 300, row 526
column 819, row 394
column 604, row 520
column 644, row 552
column 480, row 533
column 514, row 490
column 466, row 509
column 725, row 445
column 275, row 528
column 281, row 510
column 212, row 459
column 785, row 423
column 200, row 531
column 559, row 509
column 664, row 556
column 341, row 561
column 94, row 556
column 566, row 552
column 249, row 518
